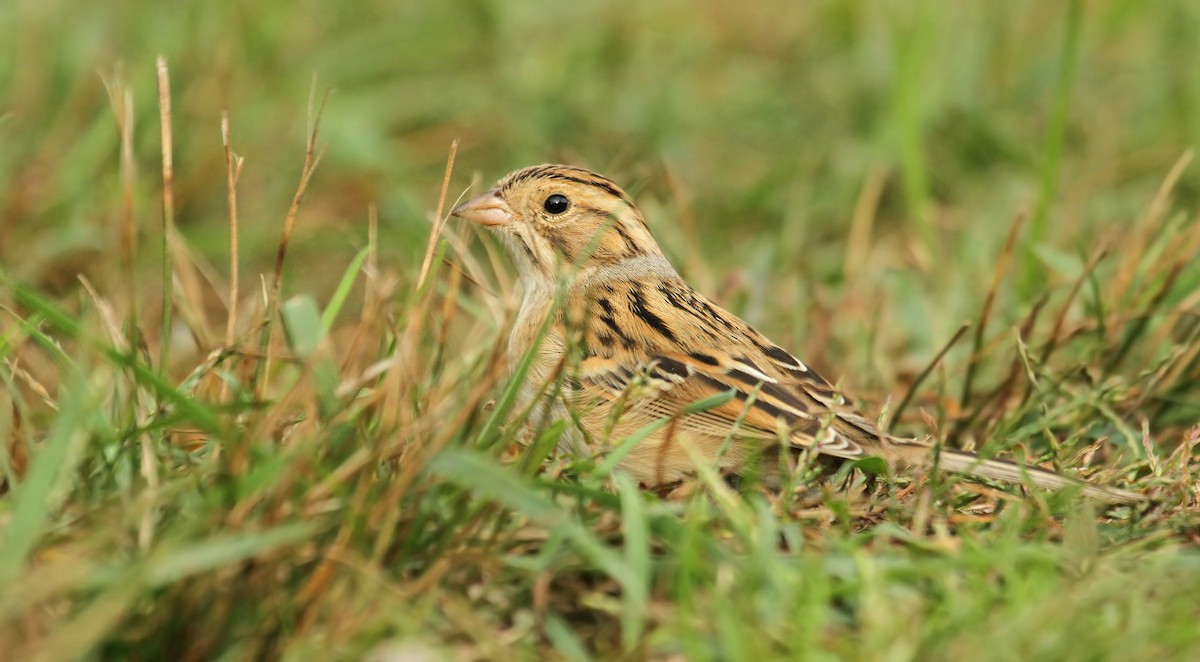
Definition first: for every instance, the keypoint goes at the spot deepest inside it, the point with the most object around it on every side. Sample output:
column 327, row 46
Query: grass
column 323, row 456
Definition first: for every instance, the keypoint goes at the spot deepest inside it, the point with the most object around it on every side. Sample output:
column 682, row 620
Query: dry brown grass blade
column 474, row 272
column 1148, row 224
column 1143, row 318
column 1179, row 254
column 108, row 318
column 1025, row 331
column 121, row 99
column 168, row 209
column 376, row 290
column 1055, row 336
column 1176, row 255
column 1174, row 371
column 318, row 581
column 985, row 314
column 449, row 307
column 1183, row 253
column 412, row 457
column 191, row 285
column 312, row 158
column 31, row 382
column 440, row 221
column 233, row 173
column 404, row 376
column 858, row 244
column 920, row 379
column 294, row 408
column 999, row 396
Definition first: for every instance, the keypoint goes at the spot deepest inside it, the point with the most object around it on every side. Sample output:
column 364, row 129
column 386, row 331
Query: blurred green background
column 759, row 124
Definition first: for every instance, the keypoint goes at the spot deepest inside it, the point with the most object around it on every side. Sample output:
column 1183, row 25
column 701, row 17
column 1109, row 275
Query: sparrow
column 634, row 349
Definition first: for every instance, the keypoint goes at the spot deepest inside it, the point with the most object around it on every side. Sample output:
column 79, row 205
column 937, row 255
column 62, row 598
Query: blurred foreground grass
column 842, row 174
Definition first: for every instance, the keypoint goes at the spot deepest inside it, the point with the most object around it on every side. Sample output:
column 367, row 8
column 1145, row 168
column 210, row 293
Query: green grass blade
column 343, row 290
column 194, row 413
column 483, row 477
column 49, row 468
column 219, row 551
column 635, row 598
column 302, row 324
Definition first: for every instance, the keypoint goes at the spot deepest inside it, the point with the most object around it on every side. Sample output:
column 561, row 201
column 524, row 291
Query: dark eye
column 556, row 204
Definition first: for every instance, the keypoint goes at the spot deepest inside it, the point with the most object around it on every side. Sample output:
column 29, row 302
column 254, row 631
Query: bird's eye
column 556, row 204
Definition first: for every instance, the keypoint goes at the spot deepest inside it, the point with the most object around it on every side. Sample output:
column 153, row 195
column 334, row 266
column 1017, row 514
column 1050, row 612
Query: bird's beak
column 487, row 209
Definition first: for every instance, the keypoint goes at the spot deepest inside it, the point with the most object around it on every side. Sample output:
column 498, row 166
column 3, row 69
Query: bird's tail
column 1014, row 472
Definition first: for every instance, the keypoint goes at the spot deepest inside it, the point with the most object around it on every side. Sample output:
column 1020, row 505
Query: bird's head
column 555, row 218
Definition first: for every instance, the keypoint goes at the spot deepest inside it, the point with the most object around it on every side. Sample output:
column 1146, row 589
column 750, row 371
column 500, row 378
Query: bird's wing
column 663, row 348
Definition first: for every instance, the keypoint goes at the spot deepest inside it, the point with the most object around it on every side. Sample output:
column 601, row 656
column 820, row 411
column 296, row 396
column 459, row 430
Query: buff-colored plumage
column 635, row 347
